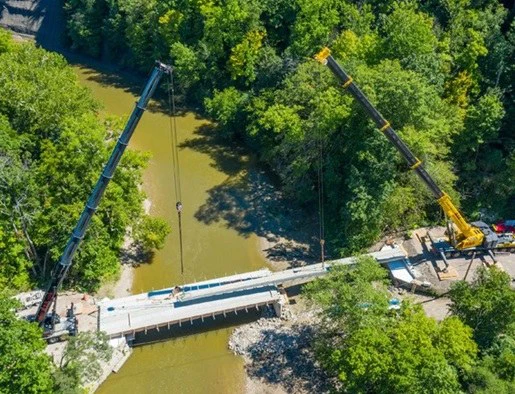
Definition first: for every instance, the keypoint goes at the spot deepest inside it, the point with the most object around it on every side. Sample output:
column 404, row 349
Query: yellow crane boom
column 468, row 235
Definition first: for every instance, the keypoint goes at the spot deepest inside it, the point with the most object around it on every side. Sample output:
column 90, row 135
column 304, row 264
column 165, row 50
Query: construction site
column 422, row 264
column 425, row 264
column 416, row 268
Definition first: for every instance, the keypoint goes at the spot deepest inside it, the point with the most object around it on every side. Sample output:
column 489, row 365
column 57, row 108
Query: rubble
column 278, row 352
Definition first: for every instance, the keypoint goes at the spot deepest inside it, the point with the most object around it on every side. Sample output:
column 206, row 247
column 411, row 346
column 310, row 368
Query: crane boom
column 468, row 235
column 82, row 225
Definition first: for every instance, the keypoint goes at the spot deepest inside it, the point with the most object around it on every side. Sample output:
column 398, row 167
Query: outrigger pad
column 450, row 274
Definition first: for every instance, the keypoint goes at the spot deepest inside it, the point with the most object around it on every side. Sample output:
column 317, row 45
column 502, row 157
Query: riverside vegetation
column 347, row 339
column 472, row 350
column 442, row 71
column 53, row 146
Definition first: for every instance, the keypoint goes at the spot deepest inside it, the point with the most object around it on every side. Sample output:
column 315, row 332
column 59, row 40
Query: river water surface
column 197, row 363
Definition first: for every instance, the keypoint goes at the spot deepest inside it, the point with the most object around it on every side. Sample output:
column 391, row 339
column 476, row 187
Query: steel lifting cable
column 320, row 186
column 321, row 201
column 175, row 161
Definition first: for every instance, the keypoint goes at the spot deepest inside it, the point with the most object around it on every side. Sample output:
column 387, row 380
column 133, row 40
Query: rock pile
column 249, row 340
column 279, row 352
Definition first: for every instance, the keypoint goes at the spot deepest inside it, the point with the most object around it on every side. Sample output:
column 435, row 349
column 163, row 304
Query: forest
column 442, row 72
column 53, row 146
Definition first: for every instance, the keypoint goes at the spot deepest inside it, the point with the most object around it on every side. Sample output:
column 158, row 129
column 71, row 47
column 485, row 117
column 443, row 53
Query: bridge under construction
column 185, row 304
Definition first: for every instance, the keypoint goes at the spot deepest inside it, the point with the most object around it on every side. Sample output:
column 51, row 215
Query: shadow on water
column 131, row 83
column 249, row 202
column 198, row 327
column 50, row 35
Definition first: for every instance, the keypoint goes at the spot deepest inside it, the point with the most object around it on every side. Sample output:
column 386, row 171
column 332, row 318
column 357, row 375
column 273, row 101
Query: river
column 201, row 362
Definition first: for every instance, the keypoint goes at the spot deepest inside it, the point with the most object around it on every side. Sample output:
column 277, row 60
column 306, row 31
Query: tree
column 227, row 106
column 500, row 357
column 487, row 305
column 24, row 366
column 84, row 25
column 409, row 36
column 16, row 208
column 150, row 233
column 479, row 154
column 6, row 42
column 80, row 362
column 410, row 353
column 245, row 55
column 188, row 66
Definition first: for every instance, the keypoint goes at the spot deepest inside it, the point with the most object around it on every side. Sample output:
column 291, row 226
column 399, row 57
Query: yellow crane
column 469, row 235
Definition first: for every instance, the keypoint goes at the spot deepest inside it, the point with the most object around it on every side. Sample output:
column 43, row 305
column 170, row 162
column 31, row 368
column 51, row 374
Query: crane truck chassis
column 55, row 328
column 471, row 237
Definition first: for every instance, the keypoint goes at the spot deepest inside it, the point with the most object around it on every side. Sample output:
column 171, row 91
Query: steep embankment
column 42, row 19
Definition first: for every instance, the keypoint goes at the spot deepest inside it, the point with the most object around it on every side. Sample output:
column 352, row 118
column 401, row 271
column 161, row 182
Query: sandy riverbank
column 122, row 287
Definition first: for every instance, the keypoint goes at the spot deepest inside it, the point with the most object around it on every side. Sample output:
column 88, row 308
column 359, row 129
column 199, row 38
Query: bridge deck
column 210, row 298
column 139, row 315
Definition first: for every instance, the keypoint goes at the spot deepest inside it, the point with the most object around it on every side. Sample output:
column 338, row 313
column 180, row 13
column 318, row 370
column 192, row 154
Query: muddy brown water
column 198, row 362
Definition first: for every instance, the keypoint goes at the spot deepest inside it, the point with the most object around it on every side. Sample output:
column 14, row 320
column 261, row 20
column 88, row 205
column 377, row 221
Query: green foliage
column 188, row 66
column 244, row 56
column 227, row 106
column 15, row 184
column 480, row 157
column 52, row 150
column 80, row 362
column 6, row 42
column 410, row 353
column 346, row 293
column 500, row 357
column 440, row 71
column 482, row 380
column 84, row 24
column 409, row 35
column 24, row 366
column 487, row 304
column 150, row 233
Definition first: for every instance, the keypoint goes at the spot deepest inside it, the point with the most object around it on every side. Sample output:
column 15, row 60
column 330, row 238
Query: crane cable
column 175, row 160
column 320, row 187
column 321, row 202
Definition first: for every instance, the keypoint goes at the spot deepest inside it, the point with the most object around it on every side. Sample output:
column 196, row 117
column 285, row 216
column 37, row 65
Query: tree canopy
column 369, row 347
column 440, row 71
column 24, row 366
column 487, row 305
column 80, row 361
